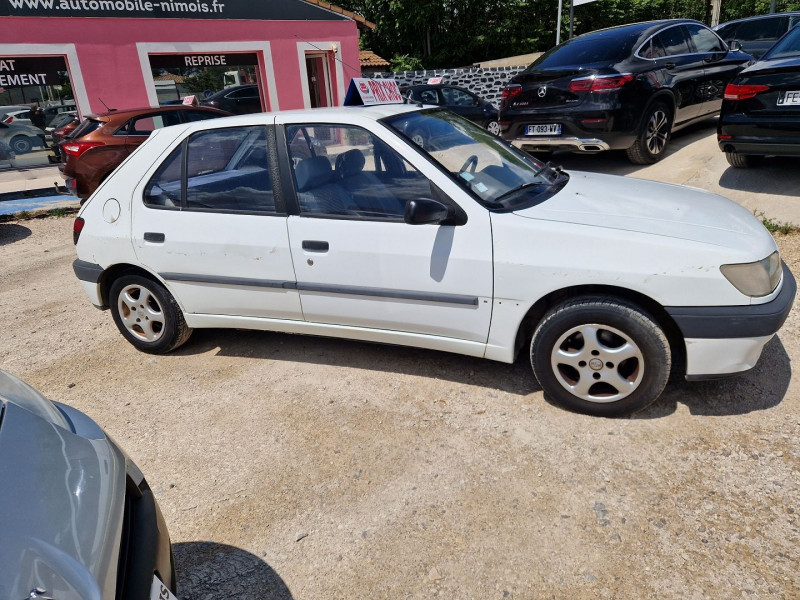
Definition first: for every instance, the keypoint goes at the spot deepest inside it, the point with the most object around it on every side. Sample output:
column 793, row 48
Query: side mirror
column 425, row 211
column 735, row 46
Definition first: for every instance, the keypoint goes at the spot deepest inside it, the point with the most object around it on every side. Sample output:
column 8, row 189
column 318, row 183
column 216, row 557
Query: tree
column 212, row 78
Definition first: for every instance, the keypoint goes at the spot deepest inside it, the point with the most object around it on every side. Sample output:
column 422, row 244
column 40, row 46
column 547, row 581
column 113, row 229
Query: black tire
column 147, row 314
column 21, row 144
column 587, row 375
column 654, row 133
column 743, row 161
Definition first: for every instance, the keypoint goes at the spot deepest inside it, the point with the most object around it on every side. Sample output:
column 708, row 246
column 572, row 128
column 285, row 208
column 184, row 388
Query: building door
column 319, row 80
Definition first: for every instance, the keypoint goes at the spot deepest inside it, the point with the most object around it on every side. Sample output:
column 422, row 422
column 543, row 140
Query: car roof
column 643, row 27
column 757, row 17
column 333, row 115
column 132, row 112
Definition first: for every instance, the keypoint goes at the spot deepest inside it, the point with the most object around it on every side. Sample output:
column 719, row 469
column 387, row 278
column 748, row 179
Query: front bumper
column 723, row 340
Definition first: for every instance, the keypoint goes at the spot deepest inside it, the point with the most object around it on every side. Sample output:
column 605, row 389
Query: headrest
column 313, row 172
column 350, row 163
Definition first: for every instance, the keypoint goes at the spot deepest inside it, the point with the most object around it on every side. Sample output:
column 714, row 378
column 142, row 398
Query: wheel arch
column 663, row 95
column 537, row 312
column 115, row 272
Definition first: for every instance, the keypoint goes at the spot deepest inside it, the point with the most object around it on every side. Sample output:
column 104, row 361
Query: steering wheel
column 470, row 164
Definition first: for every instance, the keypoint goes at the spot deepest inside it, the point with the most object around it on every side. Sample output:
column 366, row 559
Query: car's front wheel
column 147, row 314
column 743, row 161
column 651, row 143
column 601, row 356
column 493, row 127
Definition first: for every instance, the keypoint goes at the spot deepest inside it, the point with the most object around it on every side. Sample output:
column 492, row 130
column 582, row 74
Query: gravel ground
column 297, row 467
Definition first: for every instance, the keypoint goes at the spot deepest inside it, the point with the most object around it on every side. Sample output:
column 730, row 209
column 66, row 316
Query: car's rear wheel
column 147, row 314
column 651, row 143
column 21, row 144
column 601, row 356
column 743, row 161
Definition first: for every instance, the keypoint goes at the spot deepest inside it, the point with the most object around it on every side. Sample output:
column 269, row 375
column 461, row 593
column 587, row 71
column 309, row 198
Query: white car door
column 219, row 241
column 358, row 263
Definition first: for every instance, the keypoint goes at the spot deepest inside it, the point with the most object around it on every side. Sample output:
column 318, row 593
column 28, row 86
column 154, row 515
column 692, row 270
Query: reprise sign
column 270, row 10
column 25, row 71
column 364, row 92
column 174, row 61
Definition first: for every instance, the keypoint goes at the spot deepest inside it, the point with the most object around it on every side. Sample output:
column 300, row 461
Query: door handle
column 315, row 246
column 156, row 238
column 670, row 66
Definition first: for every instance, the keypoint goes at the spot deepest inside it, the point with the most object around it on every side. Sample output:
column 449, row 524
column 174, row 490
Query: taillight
column 8, row 119
column 77, row 227
column 511, row 90
column 599, row 83
column 77, row 148
column 743, row 92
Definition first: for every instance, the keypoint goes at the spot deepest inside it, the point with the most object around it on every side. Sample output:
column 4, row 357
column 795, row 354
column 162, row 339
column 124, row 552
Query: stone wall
column 486, row 83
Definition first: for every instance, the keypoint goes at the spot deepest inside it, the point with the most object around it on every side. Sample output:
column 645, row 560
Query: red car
column 101, row 142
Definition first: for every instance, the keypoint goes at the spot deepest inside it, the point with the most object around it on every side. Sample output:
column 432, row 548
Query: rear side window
column 87, row 127
column 164, row 188
column 704, row 40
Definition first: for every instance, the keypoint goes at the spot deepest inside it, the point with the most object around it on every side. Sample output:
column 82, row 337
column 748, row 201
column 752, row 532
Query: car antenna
column 106, row 105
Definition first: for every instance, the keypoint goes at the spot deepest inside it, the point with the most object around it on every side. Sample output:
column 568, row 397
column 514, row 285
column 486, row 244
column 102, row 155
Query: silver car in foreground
column 77, row 518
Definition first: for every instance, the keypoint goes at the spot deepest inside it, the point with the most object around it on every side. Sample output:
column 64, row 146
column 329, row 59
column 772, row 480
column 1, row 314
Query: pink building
column 133, row 53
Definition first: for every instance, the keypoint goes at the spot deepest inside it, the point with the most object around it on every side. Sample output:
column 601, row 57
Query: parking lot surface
column 311, row 468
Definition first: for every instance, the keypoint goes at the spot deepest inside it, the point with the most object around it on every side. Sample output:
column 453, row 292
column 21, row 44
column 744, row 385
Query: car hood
column 61, row 500
column 654, row 208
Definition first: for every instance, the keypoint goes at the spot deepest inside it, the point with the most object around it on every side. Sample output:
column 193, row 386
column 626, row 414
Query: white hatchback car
column 333, row 222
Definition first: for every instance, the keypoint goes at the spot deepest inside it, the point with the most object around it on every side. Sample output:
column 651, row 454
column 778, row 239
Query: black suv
column 757, row 34
column 458, row 100
column 237, row 99
column 623, row 88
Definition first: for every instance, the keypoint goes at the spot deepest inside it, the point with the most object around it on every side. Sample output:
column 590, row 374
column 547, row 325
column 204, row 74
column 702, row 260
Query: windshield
column 499, row 175
column 787, row 46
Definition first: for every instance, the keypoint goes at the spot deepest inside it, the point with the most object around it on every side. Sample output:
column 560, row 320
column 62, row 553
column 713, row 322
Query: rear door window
column 228, row 170
column 762, row 29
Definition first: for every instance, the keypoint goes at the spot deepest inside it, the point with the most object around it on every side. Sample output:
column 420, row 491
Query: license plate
column 789, row 99
column 158, row 591
column 548, row 129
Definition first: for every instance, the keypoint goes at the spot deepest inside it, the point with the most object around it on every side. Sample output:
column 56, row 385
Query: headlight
column 757, row 278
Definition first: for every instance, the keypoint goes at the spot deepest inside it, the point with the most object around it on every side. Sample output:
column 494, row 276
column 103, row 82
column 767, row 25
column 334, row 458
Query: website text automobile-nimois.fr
column 90, row 8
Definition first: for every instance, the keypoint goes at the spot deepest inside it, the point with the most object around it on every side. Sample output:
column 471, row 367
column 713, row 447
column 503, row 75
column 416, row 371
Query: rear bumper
column 573, row 144
column 760, row 147
column 752, row 133
column 582, row 129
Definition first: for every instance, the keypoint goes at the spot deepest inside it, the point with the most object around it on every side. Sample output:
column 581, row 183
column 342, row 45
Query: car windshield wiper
column 518, row 189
